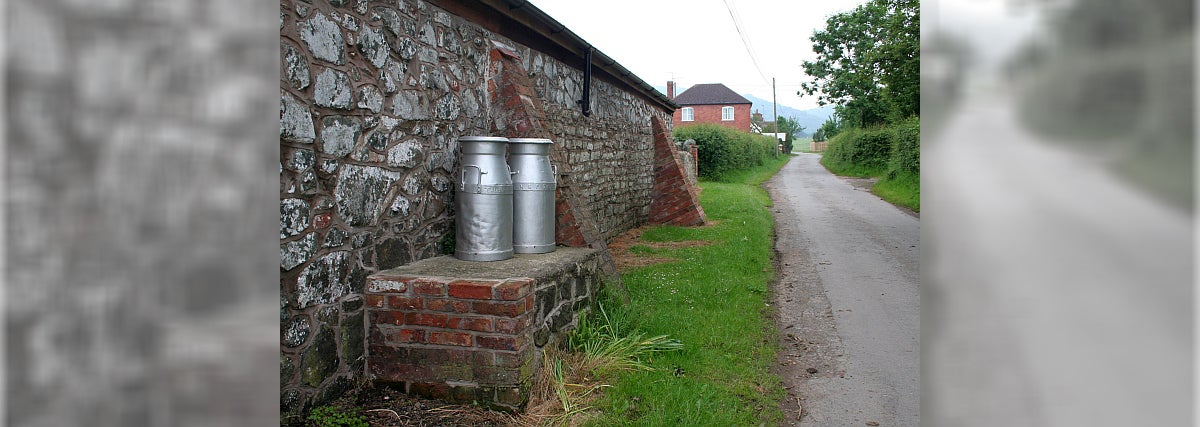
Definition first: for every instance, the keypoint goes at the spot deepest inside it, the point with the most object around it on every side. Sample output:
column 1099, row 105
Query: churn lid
column 529, row 141
column 477, row 138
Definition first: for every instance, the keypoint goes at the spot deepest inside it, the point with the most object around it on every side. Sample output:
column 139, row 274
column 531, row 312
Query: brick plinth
column 471, row 331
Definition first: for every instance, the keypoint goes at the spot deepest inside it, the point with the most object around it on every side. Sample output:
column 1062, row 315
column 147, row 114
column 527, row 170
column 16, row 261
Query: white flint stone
column 324, row 39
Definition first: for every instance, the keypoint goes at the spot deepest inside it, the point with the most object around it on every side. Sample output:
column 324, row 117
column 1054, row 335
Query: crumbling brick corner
column 676, row 201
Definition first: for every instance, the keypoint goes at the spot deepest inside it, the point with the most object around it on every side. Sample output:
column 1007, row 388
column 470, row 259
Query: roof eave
column 551, row 30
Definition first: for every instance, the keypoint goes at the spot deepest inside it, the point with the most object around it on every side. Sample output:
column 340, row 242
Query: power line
column 737, row 24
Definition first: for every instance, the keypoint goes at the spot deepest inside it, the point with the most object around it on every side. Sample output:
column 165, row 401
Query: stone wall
column 612, row 151
column 373, row 97
column 689, row 156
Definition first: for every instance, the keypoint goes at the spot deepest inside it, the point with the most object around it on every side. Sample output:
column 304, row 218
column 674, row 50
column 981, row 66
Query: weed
column 329, row 416
column 606, row 345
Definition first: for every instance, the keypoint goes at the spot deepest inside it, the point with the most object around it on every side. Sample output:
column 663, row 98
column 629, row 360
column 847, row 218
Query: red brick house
column 711, row 103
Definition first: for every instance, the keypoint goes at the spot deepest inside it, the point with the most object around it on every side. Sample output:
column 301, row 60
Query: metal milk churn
column 484, row 198
column 534, row 182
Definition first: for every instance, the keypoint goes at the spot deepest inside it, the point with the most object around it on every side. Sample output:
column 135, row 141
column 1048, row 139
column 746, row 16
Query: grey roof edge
column 550, row 29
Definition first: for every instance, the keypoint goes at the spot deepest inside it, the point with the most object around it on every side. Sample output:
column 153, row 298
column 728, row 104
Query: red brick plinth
column 464, row 331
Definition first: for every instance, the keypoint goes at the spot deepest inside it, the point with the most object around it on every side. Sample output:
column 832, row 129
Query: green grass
column 903, row 190
column 713, row 300
column 850, row 169
column 802, row 145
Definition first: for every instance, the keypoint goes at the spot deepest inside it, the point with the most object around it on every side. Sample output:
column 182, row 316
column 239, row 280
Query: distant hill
column 811, row 119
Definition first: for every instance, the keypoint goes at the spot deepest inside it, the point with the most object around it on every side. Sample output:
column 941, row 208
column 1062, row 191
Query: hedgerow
column 723, row 150
column 892, row 153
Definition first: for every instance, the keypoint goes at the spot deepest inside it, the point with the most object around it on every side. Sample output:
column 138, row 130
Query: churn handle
column 462, row 183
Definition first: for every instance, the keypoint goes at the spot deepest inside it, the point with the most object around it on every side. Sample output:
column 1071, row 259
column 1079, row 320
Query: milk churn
column 484, row 198
column 534, row 182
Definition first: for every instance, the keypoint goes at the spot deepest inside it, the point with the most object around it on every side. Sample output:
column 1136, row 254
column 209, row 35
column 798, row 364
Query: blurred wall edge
column 138, row 181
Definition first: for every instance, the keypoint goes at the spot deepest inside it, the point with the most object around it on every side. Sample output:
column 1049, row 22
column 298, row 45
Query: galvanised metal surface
column 484, row 198
column 534, row 182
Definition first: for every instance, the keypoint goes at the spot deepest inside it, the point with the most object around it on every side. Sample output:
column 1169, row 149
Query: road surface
column 847, row 300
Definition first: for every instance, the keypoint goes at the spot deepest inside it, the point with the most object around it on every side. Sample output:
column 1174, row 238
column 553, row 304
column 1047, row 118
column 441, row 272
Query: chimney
column 671, row 90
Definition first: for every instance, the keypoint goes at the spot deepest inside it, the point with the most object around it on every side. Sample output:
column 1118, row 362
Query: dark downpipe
column 586, row 102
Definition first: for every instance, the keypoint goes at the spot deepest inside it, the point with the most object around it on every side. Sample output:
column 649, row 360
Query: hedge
column 723, row 150
column 906, row 151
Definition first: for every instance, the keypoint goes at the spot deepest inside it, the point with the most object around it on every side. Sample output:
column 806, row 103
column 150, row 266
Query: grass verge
column 850, row 169
column 903, row 190
column 713, row 300
column 891, row 153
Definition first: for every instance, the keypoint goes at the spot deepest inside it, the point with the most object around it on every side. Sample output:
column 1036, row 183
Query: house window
column 727, row 114
column 688, row 114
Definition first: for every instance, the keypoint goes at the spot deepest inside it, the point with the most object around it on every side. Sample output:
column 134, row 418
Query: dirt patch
column 863, row 184
column 809, row 347
column 387, row 407
column 625, row 259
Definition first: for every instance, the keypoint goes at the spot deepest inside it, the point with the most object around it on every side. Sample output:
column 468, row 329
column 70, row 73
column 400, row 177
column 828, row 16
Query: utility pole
column 774, row 111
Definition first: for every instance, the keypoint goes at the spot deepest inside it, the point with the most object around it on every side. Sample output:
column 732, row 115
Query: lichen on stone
column 360, row 192
column 400, row 207
column 408, row 105
column 339, row 135
column 296, row 331
column 333, row 89
column 301, row 160
column 293, row 217
column 295, row 120
column 324, row 39
column 294, row 253
column 295, row 67
column 373, row 46
column 324, row 280
column 370, row 98
column 406, row 154
column 448, row 107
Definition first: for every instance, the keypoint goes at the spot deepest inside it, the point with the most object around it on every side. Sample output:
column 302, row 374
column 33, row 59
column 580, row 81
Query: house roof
column 710, row 93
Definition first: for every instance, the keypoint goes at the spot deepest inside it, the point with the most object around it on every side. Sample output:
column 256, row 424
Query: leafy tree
column 868, row 63
column 828, row 130
column 792, row 128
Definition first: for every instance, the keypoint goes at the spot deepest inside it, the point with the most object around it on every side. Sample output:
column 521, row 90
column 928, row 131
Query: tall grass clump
column 608, row 344
column 601, row 345
column 723, row 150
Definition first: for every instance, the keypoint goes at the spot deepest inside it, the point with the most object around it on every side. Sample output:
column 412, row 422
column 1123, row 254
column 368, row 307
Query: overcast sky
column 695, row 41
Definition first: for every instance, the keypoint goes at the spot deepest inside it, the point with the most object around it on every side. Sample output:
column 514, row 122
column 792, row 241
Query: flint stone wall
column 373, row 97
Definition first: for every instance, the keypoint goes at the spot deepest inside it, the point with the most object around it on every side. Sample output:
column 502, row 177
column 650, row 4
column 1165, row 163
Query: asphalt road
column 848, row 300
